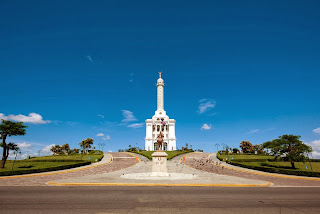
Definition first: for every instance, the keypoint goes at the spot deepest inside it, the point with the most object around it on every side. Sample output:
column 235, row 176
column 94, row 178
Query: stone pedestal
column 159, row 164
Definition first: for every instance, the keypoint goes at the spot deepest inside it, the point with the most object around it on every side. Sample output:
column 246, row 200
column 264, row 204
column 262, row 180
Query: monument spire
column 160, row 85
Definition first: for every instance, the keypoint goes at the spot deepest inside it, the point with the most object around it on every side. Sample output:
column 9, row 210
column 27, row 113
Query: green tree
column 86, row 145
column 65, row 148
column 56, row 149
column 289, row 145
column 235, row 150
column 246, row 146
column 9, row 128
column 75, row 151
column 258, row 148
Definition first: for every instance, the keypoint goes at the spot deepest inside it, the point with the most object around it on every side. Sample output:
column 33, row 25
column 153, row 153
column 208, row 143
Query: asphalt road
column 158, row 200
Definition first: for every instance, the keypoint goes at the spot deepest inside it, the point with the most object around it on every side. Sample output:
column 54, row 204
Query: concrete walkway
column 199, row 178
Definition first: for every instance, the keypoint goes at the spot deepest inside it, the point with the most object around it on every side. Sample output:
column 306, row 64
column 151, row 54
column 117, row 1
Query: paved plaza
column 193, row 169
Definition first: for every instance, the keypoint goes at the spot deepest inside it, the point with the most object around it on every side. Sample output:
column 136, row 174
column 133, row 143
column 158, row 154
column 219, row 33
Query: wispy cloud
column 100, row 135
column 128, row 116
column 315, row 147
column 205, row 105
column 317, row 130
column 136, row 125
column 31, row 118
column 100, row 115
column 46, row 149
column 107, row 137
column 206, row 127
column 24, row 145
column 253, row 131
column 131, row 77
column 90, row 59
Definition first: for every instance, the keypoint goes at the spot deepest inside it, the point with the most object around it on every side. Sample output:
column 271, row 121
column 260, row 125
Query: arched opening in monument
column 165, row 146
column 155, row 146
column 158, row 128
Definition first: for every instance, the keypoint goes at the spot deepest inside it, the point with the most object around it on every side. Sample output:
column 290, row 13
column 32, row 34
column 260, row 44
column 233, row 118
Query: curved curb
column 152, row 184
column 264, row 173
column 59, row 172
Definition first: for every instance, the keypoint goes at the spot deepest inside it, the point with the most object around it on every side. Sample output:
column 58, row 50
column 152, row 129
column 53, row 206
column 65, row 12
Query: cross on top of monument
column 160, row 72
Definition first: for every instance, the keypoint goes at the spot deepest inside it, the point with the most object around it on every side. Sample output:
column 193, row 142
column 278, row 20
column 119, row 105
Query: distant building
column 160, row 122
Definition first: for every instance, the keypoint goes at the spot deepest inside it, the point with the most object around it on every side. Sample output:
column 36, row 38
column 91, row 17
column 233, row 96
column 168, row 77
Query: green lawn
column 171, row 154
column 49, row 163
column 76, row 157
column 266, row 163
column 242, row 156
column 23, row 165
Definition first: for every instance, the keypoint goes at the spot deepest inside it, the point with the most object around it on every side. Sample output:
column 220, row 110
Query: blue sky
column 90, row 67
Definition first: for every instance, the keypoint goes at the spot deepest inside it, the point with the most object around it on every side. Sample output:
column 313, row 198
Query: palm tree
column 86, row 144
column 56, row 149
column 16, row 151
column 65, row 148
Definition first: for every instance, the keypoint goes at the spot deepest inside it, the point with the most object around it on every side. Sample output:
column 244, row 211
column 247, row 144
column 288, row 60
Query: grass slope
column 266, row 163
column 49, row 163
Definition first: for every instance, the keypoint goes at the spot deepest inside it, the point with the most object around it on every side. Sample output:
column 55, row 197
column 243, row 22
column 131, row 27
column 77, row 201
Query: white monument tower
column 160, row 122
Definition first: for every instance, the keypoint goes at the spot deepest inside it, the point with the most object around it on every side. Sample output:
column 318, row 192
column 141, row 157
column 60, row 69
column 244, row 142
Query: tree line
column 288, row 147
column 9, row 128
column 64, row 149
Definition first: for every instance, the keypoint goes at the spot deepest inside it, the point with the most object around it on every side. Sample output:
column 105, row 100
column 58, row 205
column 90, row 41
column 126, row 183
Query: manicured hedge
column 21, row 172
column 276, row 170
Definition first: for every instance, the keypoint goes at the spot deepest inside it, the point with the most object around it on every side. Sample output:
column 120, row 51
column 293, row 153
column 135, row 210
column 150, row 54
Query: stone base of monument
column 159, row 170
column 159, row 164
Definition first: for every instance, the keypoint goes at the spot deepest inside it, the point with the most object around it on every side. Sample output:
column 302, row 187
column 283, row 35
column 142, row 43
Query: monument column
column 160, row 85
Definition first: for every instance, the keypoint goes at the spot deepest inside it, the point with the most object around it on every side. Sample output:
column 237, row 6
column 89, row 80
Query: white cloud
column 107, row 137
column 24, row 145
column 317, row 130
column 100, row 135
column 109, row 151
column 205, row 105
column 136, row 125
column 46, row 149
column 206, row 127
column 253, row 131
column 90, row 59
column 128, row 116
column 315, row 147
column 31, row 118
column 100, row 115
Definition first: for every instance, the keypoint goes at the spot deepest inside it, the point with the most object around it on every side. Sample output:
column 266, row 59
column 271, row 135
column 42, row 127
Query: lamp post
column 102, row 145
column 217, row 145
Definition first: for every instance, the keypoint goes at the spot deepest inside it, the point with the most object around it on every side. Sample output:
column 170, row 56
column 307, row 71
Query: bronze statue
column 160, row 141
